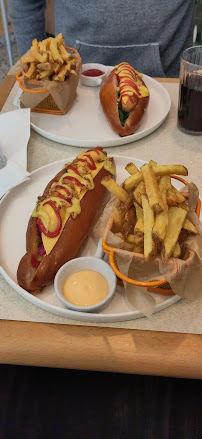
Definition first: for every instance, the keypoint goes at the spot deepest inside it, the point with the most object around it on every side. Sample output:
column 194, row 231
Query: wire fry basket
column 47, row 105
column 157, row 286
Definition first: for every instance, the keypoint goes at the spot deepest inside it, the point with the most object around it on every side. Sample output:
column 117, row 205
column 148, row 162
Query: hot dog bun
column 75, row 231
column 124, row 92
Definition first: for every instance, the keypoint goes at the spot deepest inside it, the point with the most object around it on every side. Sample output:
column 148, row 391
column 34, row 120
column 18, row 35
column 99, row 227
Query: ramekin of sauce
column 92, row 74
column 85, row 284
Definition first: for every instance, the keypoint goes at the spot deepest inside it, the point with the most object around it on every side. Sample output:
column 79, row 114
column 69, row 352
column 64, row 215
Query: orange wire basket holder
column 48, row 105
column 157, row 286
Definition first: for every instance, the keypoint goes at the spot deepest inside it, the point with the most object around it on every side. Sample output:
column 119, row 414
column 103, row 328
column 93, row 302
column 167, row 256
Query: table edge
column 120, row 350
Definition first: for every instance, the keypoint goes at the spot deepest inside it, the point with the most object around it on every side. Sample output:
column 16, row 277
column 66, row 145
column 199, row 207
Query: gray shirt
column 150, row 34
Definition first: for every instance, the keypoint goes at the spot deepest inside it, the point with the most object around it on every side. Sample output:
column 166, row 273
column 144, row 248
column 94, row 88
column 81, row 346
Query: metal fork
column 3, row 159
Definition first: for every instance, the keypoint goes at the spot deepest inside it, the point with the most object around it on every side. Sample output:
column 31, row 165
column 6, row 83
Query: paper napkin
column 14, row 137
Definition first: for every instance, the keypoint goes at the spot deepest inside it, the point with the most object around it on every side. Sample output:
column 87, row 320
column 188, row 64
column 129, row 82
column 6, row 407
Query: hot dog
column 63, row 218
column 124, row 98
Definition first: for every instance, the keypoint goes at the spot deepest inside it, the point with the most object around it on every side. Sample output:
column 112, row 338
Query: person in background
column 149, row 34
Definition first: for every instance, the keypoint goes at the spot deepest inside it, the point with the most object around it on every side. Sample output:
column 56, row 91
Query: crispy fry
column 160, row 226
column 139, row 229
column 148, row 214
column 132, row 239
column 179, row 196
column 118, row 219
column 59, row 39
column 170, row 169
column 64, row 54
column 138, row 249
column 165, row 183
column 188, row 225
column 131, row 181
column 44, row 66
column 139, row 210
column 129, row 221
column 139, row 191
column 152, row 163
column 176, row 219
column 44, row 74
column 35, row 42
column 55, row 52
column 152, row 189
column 177, row 251
column 42, row 47
column 30, row 73
column 132, row 169
column 27, row 59
column 37, row 56
column 114, row 188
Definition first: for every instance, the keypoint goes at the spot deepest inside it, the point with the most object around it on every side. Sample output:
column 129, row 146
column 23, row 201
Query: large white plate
column 85, row 124
column 15, row 210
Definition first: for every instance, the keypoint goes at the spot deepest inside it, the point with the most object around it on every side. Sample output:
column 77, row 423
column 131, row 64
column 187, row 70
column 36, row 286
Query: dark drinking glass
column 190, row 91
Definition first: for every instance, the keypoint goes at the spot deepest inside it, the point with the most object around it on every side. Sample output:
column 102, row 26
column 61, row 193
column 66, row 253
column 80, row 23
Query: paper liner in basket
column 60, row 95
column 183, row 275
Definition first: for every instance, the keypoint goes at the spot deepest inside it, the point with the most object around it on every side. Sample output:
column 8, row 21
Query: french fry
column 131, row 181
column 135, row 240
column 139, row 210
column 37, row 56
column 44, row 66
column 32, row 69
column 188, row 225
column 152, row 163
column 152, row 189
column 138, row 249
column 114, row 188
column 129, row 222
column 35, row 42
column 132, row 169
column 139, row 191
column 42, row 47
column 165, row 183
column 161, row 219
column 160, row 226
column 177, row 251
column 139, row 230
column 170, row 169
column 27, row 59
column 118, row 219
column 176, row 219
column 180, row 198
column 45, row 74
column 64, row 54
column 59, row 40
column 148, row 214
column 55, row 52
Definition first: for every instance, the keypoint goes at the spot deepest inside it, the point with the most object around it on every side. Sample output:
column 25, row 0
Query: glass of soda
column 190, row 91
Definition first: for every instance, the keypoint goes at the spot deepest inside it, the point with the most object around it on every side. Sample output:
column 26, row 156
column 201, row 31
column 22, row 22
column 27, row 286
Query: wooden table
column 98, row 349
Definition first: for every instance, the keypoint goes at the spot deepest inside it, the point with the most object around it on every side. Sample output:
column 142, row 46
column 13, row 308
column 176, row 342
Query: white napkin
column 14, row 137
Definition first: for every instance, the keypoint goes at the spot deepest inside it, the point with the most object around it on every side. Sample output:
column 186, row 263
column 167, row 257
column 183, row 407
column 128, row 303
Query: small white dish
column 93, row 81
column 93, row 263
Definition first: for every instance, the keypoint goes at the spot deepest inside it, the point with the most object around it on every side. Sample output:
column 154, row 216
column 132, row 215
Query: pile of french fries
column 48, row 59
column 151, row 214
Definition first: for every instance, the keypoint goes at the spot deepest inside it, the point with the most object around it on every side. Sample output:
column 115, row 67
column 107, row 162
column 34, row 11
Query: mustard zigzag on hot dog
column 63, row 218
column 124, row 98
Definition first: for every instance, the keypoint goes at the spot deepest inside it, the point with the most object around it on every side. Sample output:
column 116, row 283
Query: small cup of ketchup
column 92, row 74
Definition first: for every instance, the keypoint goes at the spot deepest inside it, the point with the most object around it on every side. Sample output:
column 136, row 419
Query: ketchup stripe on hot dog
column 63, row 218
column 124, row 97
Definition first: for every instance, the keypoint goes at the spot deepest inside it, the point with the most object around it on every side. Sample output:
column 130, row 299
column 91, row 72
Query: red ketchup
column 92, row 72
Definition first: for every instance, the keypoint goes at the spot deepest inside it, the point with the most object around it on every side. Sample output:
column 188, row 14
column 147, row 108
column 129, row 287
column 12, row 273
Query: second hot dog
column 124, row 98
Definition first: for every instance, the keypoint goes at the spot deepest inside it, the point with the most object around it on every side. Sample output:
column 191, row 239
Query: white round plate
column 86, row 126
column 15, row 211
